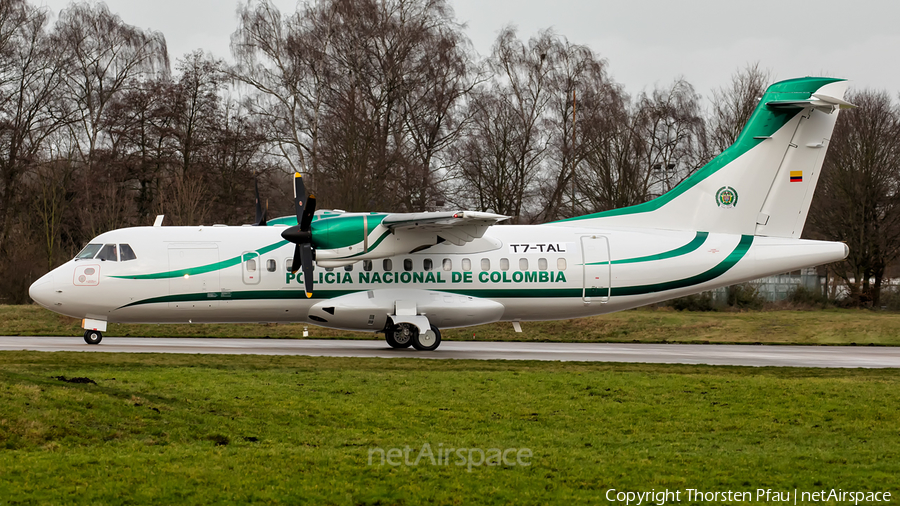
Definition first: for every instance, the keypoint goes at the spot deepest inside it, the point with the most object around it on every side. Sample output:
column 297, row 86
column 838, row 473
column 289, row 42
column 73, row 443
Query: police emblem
column 726, row 197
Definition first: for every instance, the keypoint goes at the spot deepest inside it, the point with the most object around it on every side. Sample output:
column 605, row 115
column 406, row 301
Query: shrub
column 745, row 296
column 803, row 296
column 697, row 302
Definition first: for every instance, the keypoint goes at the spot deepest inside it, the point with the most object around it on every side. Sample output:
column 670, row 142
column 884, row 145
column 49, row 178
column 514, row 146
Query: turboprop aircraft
column 410, row 275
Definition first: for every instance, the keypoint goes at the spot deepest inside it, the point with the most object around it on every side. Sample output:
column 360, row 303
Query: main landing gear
column 406, row 334
column 92, row 336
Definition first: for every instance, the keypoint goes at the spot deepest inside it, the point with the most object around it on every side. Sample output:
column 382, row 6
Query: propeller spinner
column 300, row 235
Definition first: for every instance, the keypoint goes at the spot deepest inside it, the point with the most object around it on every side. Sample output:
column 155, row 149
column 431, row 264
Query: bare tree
column 579, row 82
column 283, row 60
column 733, row 105
column 638, row 151
column 31, row 72
column 613, row 173
column 673, row 131
column 506, row 147
column 141, row 130
column 107, row 56
column 858, row 198
column 361, row 94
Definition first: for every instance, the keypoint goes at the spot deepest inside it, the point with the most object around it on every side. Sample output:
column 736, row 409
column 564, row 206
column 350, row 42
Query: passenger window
column 367, row 265
column 523, row 264
column 485, row 264
column 108, row 253
column 466, row 264
column 348, row 268
column 427, row 264
column 542, row 264
column 329, row 269
column 126, row 253
column 88, row 252
column 270, row 265
column 560, row 264
column 504, row 264
column 287, row 264
column 407, row 264
column 387, row 264
column 251, row 265
column 448, row 264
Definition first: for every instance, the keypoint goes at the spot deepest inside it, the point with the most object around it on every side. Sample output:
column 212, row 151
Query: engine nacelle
column 349, row 238
column 369, row 310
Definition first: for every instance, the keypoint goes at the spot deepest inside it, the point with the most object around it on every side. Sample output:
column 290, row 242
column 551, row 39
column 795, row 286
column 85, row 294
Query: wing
column 351, row 237
column 456, row 227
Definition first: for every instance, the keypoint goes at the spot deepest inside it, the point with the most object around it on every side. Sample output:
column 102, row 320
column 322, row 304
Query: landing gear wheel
column 92, row 336
column 428, row 340
column 396, row 338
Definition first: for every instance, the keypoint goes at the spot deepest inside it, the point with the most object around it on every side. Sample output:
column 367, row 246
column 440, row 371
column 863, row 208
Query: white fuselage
column 536, row 272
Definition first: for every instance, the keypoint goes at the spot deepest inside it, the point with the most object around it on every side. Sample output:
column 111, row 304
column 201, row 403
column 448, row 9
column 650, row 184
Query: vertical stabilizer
column 763, row 184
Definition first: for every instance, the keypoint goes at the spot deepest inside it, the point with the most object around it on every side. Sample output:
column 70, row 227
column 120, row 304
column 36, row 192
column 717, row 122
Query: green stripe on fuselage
column 524, row 293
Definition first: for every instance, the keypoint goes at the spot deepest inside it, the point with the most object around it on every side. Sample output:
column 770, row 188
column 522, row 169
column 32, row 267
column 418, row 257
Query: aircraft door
column 199, row 286
column 251, row 267
column 595, row 256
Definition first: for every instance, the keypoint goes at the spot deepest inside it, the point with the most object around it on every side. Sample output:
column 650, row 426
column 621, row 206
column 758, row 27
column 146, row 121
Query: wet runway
column 743, row 355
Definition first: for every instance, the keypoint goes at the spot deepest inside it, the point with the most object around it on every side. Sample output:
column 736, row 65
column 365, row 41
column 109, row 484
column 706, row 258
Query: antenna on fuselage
column 159, row 220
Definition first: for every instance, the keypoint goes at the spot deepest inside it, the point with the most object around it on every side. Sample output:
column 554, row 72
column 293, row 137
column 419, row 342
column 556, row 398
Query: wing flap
column 441, row 220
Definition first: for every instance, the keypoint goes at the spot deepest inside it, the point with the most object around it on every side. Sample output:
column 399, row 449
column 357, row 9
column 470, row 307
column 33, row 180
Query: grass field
column 835, row 326
column 171, row 429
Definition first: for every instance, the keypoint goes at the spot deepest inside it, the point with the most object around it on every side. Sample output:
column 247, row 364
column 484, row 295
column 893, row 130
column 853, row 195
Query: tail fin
column 763, row 184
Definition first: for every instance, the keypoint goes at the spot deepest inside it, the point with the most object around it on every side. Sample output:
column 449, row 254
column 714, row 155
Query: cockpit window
column 108, row 253
column 88, row 252
column 126, row 253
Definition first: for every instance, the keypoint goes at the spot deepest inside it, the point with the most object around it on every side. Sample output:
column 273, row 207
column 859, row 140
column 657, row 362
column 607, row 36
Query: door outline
column 185, row 257
column 250, row 277
column 596, row 269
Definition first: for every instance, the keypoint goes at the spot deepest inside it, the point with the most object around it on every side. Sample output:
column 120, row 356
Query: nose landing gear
column 93, row 330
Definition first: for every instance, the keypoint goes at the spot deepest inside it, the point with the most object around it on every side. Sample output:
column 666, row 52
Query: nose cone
column 41, row 291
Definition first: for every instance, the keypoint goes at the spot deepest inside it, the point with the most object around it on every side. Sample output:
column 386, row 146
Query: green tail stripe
column 193, row 271
column 695, row 243
column 729, row 262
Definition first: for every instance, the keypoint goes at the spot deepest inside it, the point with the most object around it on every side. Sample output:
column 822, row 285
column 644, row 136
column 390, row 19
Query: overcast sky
column 646, row 42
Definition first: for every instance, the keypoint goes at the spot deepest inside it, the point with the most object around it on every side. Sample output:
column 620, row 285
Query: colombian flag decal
column 796, row 176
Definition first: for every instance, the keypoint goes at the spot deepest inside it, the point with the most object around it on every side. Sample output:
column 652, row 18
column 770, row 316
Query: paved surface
column 785, row 356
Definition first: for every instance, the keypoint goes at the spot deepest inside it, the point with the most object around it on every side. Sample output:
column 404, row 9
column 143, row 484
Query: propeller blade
column 301, row 235
column 299, row 195
column 296, row 262
column 260, row 213
column 308, row 212
column 306, row 257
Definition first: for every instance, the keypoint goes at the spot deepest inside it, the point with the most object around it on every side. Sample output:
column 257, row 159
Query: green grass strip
column 188, row 429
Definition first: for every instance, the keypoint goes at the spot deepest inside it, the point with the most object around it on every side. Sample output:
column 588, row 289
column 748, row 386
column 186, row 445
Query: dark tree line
column 96, row 133
column 383, row 104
